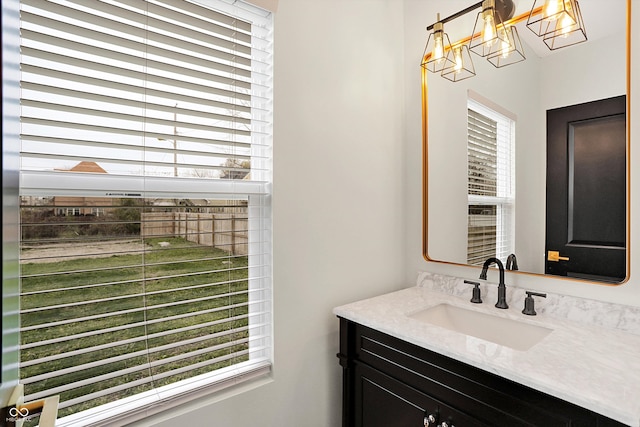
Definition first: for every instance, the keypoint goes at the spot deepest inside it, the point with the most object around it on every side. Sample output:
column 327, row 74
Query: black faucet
column 502, row 288
column 512, row 262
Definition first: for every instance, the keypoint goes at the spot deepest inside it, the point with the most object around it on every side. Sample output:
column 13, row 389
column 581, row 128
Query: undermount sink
column 499, row 330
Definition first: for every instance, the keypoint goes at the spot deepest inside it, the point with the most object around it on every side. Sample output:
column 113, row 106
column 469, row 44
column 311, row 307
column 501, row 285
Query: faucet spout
column 502, row 287
column 487, row 263
column 512, row 262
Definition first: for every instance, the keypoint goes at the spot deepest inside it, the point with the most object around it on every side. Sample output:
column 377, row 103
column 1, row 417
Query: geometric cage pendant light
column 435, row 57
column 486, row 40
column 559, row 23
column 511, row 52
column 463, row 64
column 567, row 33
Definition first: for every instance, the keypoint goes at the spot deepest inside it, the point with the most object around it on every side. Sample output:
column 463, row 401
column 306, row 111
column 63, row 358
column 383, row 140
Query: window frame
column 503, row 199
column 258, row 192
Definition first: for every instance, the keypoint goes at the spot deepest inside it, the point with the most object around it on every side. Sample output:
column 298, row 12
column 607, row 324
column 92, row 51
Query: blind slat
column 136, row 18
column 140, row 59
column 137, row 104
column 107, row 116
column 125, row 88
column 71, row 143
column 144, row 367
column 129, row 355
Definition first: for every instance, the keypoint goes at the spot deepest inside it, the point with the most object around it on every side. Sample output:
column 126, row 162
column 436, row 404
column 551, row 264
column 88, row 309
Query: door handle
column 430, row 420
column 555, row 256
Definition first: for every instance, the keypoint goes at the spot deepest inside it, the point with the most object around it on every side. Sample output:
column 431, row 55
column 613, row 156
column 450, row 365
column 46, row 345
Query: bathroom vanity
column 402, row 368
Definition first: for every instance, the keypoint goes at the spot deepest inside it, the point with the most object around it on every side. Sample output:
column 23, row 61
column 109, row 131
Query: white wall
column 418, row 14
column 338, row 202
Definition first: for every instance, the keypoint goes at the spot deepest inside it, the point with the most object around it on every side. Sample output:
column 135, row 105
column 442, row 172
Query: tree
column 235, row 169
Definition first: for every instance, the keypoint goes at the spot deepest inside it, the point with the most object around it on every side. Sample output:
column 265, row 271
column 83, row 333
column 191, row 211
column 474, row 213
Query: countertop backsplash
column 583, row 310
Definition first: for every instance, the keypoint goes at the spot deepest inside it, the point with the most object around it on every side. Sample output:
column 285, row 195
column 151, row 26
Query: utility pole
column 175, row 141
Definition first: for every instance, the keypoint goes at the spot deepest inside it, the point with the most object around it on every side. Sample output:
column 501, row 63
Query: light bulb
column 438, row 48
column 505, row 46
column 551, row 8
column 457, row 56
column 489, row 29
column 566, row 25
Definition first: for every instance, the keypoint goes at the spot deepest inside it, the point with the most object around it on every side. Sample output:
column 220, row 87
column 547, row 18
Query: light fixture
column 559, row 23
column 567, row 33
column 511, row 52
column 438, row 44
column 495, row 37
column 486, row 40
column 463, row 64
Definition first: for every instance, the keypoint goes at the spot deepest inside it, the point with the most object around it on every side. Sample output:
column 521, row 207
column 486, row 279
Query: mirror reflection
column 486, row 150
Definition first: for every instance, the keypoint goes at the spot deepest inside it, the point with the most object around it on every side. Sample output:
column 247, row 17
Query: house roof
column 92, row 167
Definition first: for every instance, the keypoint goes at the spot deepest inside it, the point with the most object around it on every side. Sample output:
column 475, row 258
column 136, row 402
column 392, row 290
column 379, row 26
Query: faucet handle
column 529, row 303
column 476, row 299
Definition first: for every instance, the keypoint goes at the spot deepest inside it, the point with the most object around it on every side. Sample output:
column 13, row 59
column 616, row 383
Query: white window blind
column 491, row 184
column 145, row 202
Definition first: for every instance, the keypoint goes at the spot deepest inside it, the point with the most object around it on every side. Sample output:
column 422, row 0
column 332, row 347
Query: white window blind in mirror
column 145, row 244
column 491, row 184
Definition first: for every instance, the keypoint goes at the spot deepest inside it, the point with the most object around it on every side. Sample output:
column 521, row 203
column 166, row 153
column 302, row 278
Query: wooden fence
column 226, row 231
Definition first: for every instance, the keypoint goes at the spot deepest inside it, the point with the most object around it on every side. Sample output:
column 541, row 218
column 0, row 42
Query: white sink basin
column 499, row 330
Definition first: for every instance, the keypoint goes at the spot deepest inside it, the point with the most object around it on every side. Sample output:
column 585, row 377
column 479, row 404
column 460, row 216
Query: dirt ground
column 54, row 253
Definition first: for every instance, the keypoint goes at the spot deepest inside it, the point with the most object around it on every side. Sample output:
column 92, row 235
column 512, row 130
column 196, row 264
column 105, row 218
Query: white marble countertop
column 595, row 367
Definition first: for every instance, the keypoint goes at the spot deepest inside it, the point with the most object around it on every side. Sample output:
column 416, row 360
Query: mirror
column 593, row 70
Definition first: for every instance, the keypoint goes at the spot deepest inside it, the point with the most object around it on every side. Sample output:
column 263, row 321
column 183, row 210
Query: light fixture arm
column 505, row 8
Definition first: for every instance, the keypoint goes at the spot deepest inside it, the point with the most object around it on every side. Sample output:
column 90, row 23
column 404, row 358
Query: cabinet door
column 382, row 401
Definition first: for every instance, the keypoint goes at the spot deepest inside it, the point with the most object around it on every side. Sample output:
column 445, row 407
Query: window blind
column 10, row 207
column 491, row 184
column 145, row 202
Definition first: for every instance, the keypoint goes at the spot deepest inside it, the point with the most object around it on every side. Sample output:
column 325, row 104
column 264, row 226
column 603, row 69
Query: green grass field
column 151, row 307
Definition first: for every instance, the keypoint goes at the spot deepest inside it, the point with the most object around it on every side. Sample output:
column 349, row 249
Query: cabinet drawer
column 388, row 402
column 450, row 388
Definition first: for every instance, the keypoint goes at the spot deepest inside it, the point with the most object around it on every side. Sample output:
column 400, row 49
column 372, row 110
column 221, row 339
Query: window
column 491, row 184
column 145, row 245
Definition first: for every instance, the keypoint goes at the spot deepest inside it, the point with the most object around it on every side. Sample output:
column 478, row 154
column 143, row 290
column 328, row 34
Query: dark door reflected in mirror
column 586, row 196
column 458, row 223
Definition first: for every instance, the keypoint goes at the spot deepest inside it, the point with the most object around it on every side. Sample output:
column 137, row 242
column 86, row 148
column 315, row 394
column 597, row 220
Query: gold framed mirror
column 597, row 69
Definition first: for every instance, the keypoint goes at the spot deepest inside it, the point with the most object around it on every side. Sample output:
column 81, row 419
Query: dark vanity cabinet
column 388, row 382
